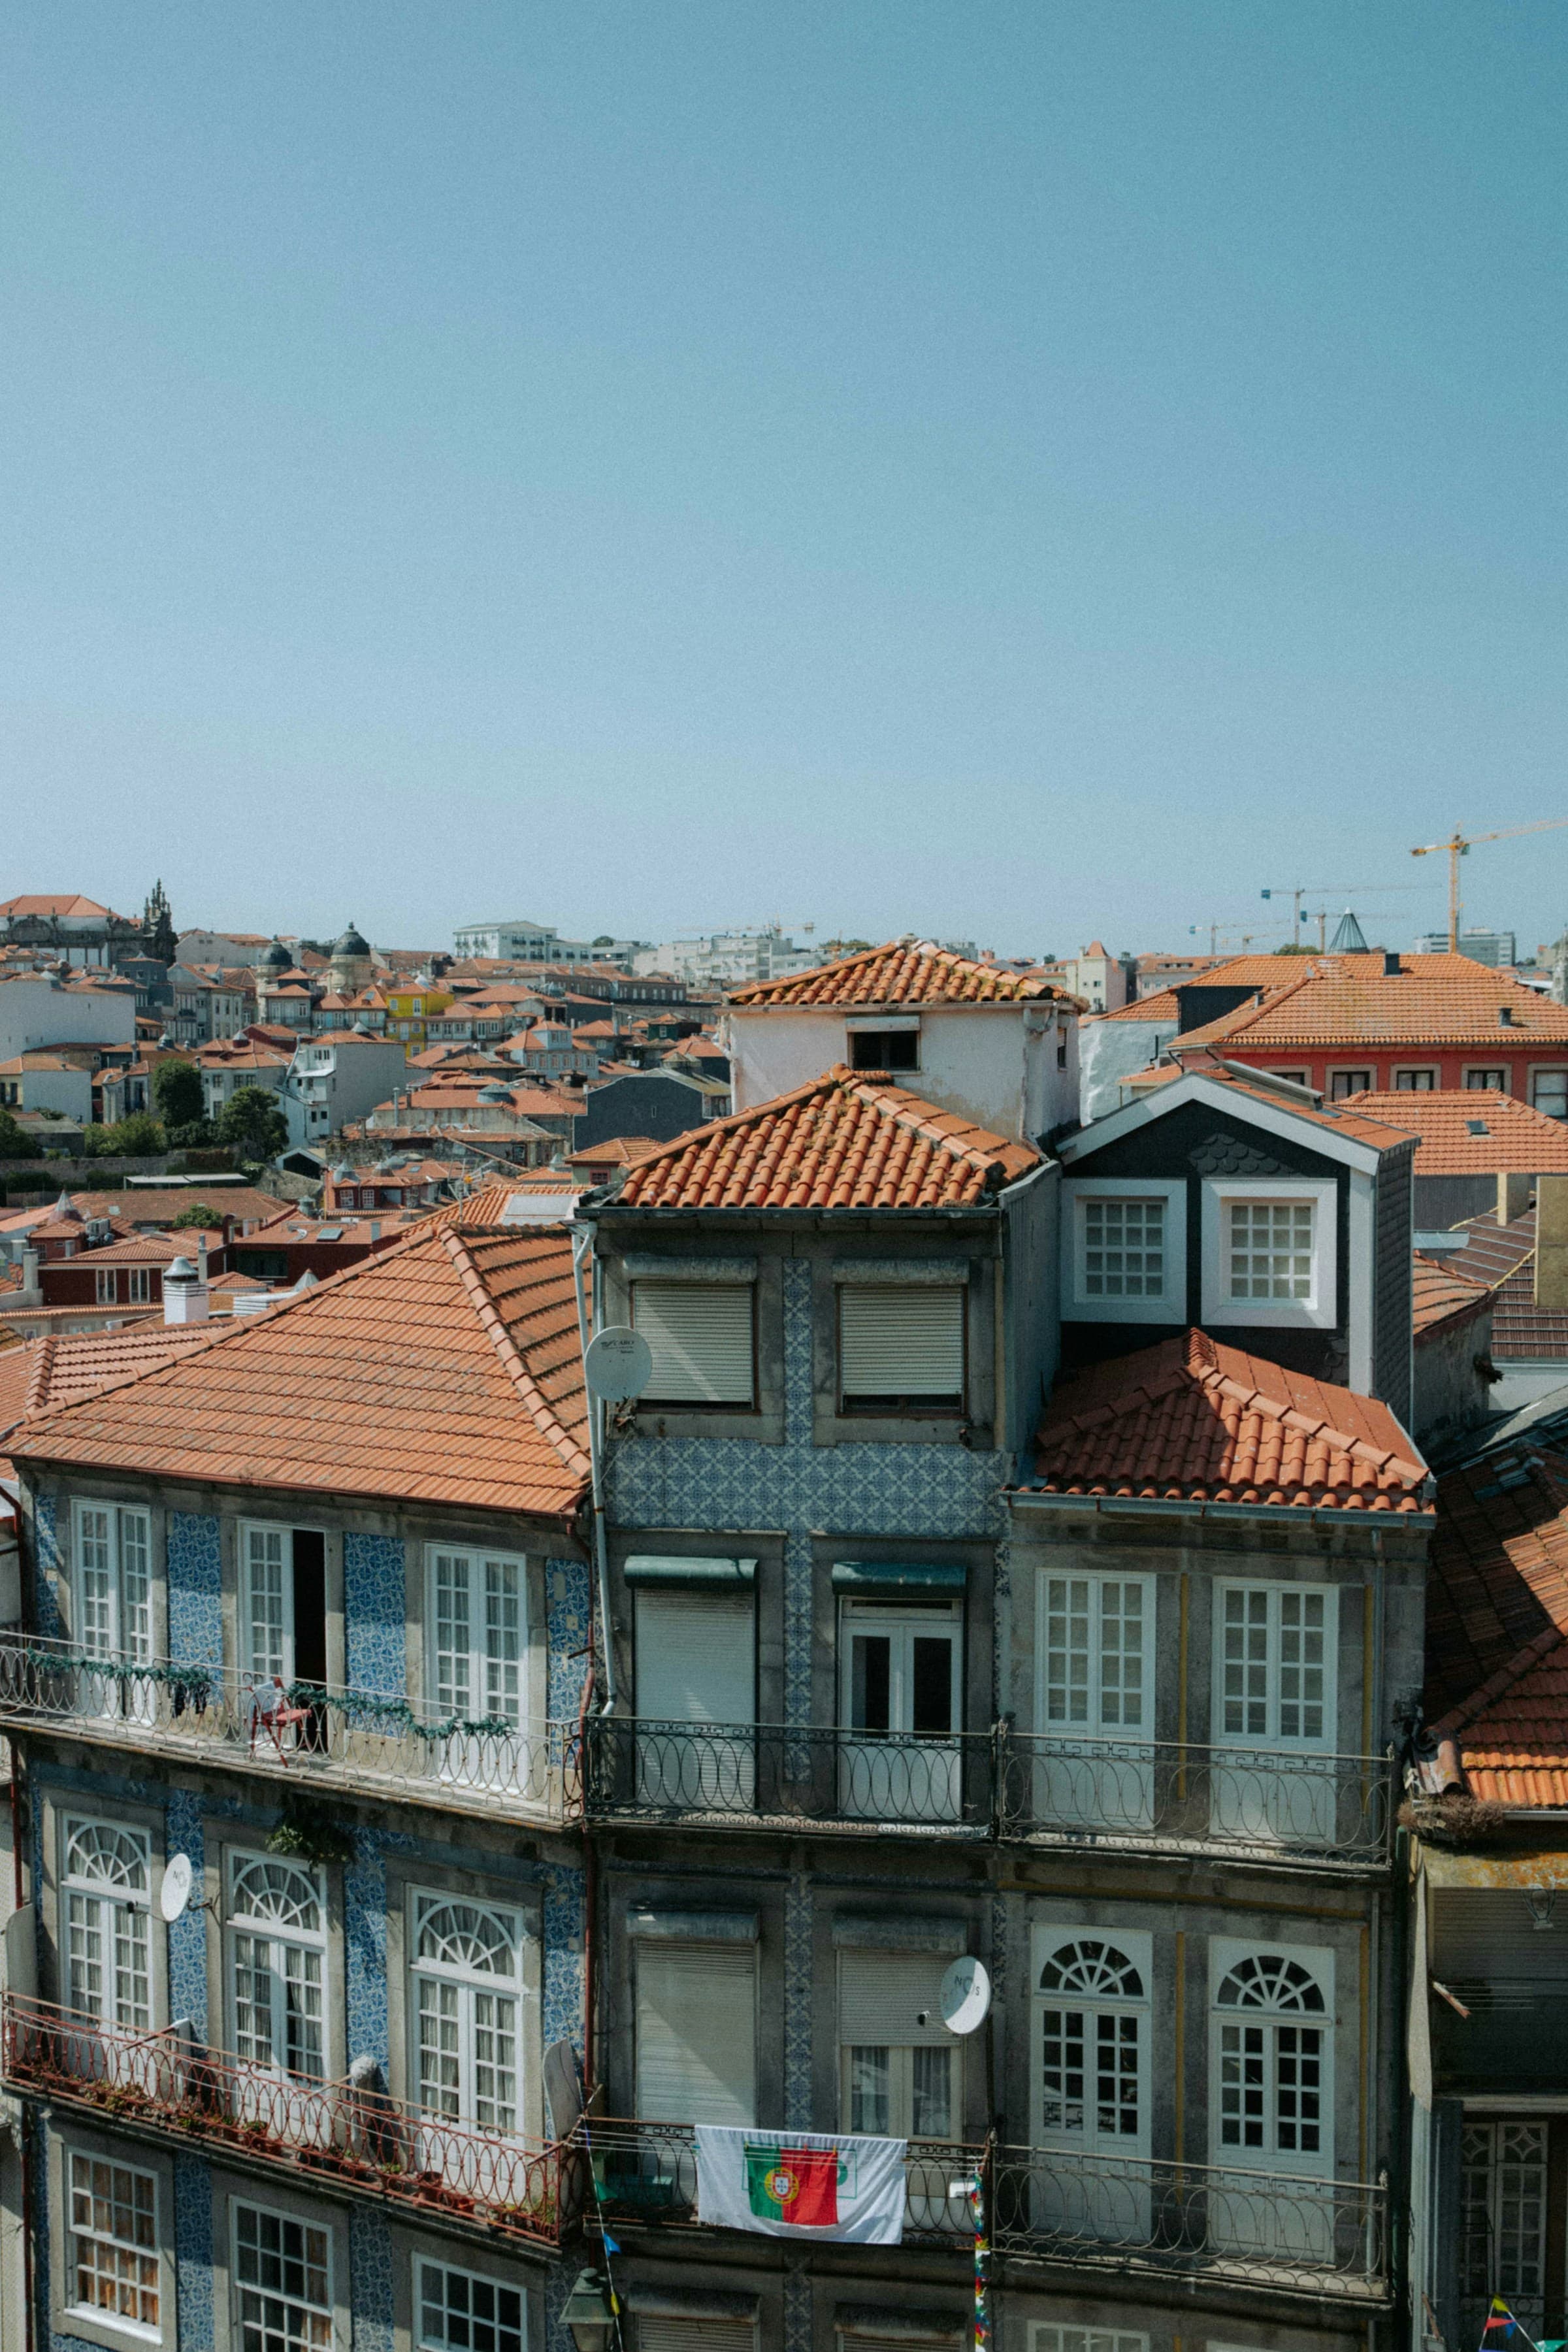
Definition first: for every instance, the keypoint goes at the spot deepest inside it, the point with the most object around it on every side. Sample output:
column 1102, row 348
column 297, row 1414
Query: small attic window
column 1475, row 1126
column 885, row 1049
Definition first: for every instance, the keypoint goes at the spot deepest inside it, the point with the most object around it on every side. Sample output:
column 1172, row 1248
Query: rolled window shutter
column 697, row 2034
column 696, row 2335
column 700, row 1335
column 696, row 1657
column 895, row 1341
column 882, row 1995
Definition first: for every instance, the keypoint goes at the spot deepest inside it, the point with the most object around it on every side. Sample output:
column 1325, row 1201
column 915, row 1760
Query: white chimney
column 184, row 1293
column 202, row 1258
column 31, row 1292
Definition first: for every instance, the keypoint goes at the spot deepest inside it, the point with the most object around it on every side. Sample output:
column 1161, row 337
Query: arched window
column 103, row 1855
column 467, row 1973
column 475, row 1940
column 107, row 1874
column 1091, row 2043
column 280, row 1891
column 277, row 1965
column 1273, row 2064
column 1270, row 1980
column 1094, row 1968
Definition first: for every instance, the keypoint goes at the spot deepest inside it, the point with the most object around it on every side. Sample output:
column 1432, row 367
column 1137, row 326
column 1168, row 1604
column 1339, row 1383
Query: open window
column 283, row 1603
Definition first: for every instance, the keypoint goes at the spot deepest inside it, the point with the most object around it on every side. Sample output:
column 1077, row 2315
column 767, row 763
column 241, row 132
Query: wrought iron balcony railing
column 646, row 2172
column 328, row 2132
column 638, row 1768
column 1215, row 2221
column 1180, row 1796
column 385, row 1744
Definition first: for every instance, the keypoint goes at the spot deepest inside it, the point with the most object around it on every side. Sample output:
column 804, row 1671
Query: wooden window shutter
column 902, row 1341
column 696, row 1657
column 697, row 2032
column 700, row 1335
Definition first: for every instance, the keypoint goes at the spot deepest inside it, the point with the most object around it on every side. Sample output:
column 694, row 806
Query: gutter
column 1177, row 1507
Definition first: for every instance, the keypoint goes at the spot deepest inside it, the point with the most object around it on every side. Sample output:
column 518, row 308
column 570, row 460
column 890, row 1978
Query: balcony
column 1169, row 1796
column 324, row 2133
column 1152, row 1797
column 340, row 1738
column 647, row 2173
column 765, row 1775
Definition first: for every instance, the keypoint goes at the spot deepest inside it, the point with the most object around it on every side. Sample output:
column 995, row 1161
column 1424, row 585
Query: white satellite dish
column 965, row 1995
column 618, row 1365
column 176, row 1891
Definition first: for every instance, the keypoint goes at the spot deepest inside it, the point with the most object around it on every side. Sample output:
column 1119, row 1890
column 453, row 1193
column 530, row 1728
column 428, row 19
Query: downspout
column 581, row 1245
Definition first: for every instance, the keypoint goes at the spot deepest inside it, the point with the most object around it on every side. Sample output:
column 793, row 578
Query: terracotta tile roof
column 616, row 1151
column 70, row 904
column 159, row 1205
column 1236, row 971
column 843, row 1142
column 1514, row 1136
column 1193, row 1420
column 1439, row 1295
column 1348, row 1001
column 1497, row 1579
column 444, row 1371
column 147, row 1249
column 1503, row 1256
column 1348, row 1119
column 905, row 971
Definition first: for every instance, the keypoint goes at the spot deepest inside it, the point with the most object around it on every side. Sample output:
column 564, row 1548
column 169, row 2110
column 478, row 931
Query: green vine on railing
column 193, row 1682
column 374, row 1707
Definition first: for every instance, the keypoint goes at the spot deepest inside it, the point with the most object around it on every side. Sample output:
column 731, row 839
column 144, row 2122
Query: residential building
column 48, row 1083
column 399, row 1182
column 410, row 1004
column 725, row 959
column 551, row 1050
column 1530, row 1300
column 1453, row 1374
column 662, row 1102
column 41, row 1012
column 227, row 948
column 996, row 1047
column 1494, row 947
column 335, row 1078
column 1101, row 982
column 1475, row 1150
column 519, row 940
column 230, row 1062
column 302, row 1242
column 204, row 1005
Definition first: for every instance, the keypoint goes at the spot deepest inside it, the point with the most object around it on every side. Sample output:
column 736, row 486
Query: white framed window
column 104, row 1285
column 696, row 2019
column 112, row 2251
column 1271, row 1251
column 477, row 1634
column 1416, row 1082
column 1272, row 2051
column 901, row 1347
column 899, row 2077
column 282, row 1602
column 467, row 2011
column 113, row 1580
column 702, row 1335
column 1274, row 1666
column 1486, row 1079
column 106, row 1885
column 139, row 1282
column 1091, row 2035
column 282, row 2283
column 1549, row 1092
column 1345, row 1083
column 1124, row 1250
column 277, row 1931
column 900, row 1709
column 1095, row 1648
column 459, row 2311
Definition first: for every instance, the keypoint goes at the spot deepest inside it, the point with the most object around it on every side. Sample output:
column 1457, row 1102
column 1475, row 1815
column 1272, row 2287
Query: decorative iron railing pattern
column 643, row 1769
column 329, row 2131
column 218, row 1715
column 647, row 2172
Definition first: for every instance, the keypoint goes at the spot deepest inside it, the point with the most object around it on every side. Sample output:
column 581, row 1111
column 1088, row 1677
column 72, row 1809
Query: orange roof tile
column 1438, row 1294
column 1514, row 1136
column 905, row 971
column 1236, row 971
column 443, row 1370
column 846, row 1141
column 1193, row 1420
column 1513, row 1735
column 1350, row 1001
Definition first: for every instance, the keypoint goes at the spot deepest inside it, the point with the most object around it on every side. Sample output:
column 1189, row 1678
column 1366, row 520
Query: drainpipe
column 581, row 1245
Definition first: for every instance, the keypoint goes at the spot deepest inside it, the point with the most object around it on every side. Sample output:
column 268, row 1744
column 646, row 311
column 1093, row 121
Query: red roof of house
column 1193, row 1420
column 843, row 1142
column 68, row 904
column 1349, row 1000
column 1441, row 1296
column 1480, row 1133
column 905, row 971
column 1234, row 972
column 444, row 1371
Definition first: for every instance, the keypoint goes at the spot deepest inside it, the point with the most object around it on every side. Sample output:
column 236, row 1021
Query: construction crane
column 1458, row 846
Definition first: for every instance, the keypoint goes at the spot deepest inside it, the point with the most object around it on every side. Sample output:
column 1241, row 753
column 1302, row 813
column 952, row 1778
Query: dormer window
column 888, row 1042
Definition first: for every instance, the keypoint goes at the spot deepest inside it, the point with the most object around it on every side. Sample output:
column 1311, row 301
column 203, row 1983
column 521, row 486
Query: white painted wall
column 69, row 1091
column 993, row 1063
column 1112, row 1051
column 37, row 1013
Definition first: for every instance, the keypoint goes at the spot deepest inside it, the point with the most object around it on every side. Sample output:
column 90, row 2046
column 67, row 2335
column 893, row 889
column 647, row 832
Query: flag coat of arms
column 801, row 2184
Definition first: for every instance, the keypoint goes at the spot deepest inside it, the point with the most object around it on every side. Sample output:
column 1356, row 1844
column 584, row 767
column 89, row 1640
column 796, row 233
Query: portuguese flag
column 786, row 2184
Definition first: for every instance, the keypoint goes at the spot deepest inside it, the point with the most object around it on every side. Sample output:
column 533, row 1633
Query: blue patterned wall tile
column 195, row 1566
column 797, row 1351
column 799, row 1613
column 193, row 2251
column 797, row 2001
column 567, row 1616
column 563, row 1929
column 376, row 1607
column 797, row 2327
column 370, row 2279
column 188, row 1933
column 364, row 1939
column 559, row 2281
column 48, row 1568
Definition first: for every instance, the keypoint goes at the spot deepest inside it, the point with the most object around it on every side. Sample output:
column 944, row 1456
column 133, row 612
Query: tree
column 13, row 1144
column 199, row 1214
column 196, row 1136
column 136, row 1137
column 177, row 1092
column 251, row 1123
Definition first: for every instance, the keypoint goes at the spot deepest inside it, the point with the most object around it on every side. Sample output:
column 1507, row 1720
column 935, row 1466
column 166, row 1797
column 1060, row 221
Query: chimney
column 202, row 1258
column 31, row 1292
column 1551, row 1242
column 184, row 1293
column 1392, row 967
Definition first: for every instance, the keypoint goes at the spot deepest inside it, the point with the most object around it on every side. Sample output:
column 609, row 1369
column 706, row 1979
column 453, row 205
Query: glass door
column 900, row 1702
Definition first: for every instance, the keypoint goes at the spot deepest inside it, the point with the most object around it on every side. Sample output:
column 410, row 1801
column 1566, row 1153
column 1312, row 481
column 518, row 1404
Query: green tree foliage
column 136, row 1137
column 13, row 1144
column 177, row 1092
column 199, row 1214
column 251, row 1123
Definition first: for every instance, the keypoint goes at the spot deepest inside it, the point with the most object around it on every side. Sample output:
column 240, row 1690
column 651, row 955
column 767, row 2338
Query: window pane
column 931, row 1714
column 1549, row 1093
column 1270, row 1250
column 930, row 2093
column 870, row 2085
column 1124, row 1249
column 870, row 1681
column 459, row 2313
column 114, row 2243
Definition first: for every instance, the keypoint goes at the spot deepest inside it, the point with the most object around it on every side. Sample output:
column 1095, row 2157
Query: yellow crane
column 1458, row 846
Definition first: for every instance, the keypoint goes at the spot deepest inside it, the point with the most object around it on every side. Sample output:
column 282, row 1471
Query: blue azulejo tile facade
column 568, row 1620
column 374, row 1613
column 194, row 1557
column 48, row 1566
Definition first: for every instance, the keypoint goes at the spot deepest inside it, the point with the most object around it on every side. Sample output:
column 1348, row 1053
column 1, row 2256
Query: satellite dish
column 965, row 1995
column 176, row 1891
column 618, row 1365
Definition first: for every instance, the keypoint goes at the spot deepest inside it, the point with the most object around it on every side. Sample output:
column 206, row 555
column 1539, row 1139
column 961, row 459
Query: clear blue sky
column 1010, row 471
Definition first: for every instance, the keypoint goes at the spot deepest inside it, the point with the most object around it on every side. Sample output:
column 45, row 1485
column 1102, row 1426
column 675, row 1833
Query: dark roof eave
column 565, row 1517
column 1306, row 1514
